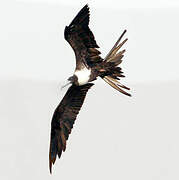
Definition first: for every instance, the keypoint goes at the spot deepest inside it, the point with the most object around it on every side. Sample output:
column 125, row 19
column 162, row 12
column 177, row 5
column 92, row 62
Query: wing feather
column 82, row 40
column 64, row 118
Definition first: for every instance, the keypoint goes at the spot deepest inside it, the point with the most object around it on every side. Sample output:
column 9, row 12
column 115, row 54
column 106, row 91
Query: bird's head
column 71, row 80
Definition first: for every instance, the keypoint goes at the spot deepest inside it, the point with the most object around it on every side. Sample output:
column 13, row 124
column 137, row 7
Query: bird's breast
column 83, row 75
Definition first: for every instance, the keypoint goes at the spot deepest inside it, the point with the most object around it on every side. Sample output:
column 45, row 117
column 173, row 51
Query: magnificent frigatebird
column 89, row 65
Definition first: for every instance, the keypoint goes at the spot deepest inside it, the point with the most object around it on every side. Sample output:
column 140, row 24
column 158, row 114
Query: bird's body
column 89, row 66
column 83, row 75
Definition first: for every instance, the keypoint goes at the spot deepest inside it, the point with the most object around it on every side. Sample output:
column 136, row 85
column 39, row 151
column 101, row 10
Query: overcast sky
column 33, row 46
column 114, row 136
column 113, row 3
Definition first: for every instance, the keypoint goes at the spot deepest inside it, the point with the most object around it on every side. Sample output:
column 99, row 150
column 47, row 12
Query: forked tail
column 112, row 72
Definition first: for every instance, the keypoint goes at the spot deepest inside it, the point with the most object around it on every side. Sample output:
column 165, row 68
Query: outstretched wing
column 63, row 119
column 82, row 40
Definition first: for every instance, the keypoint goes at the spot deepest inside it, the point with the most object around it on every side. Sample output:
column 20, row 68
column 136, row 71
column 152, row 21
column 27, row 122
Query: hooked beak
column 66, row 84
column 69, row 81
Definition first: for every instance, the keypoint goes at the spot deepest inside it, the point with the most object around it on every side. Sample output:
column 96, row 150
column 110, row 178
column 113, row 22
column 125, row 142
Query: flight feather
column 82, row 40
column 64, row 118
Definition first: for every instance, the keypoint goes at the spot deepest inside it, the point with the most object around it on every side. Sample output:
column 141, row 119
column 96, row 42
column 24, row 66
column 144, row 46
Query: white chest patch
column 83, row 75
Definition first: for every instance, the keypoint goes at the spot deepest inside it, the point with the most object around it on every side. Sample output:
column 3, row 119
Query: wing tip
column 81, row 14
column 86, row 6
column 50, row 167
column 51, row 161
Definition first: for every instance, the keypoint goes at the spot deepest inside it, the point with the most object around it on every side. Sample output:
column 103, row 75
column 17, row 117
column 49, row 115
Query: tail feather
column 113, row 72
column 117, row 82
column 114, row 53
column 117, row 59
column 116, row 85
column 115, row 45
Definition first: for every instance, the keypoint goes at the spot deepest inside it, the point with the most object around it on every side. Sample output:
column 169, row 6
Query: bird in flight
column 89, row 66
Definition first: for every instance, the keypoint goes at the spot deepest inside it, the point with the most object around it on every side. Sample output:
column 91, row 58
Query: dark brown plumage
column 89, row 65
column 64, row 118
column 82, row 39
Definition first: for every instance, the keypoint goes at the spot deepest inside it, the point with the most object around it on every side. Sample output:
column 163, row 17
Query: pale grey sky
column 32, row 43
column 114, row 136
column 113, row 3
